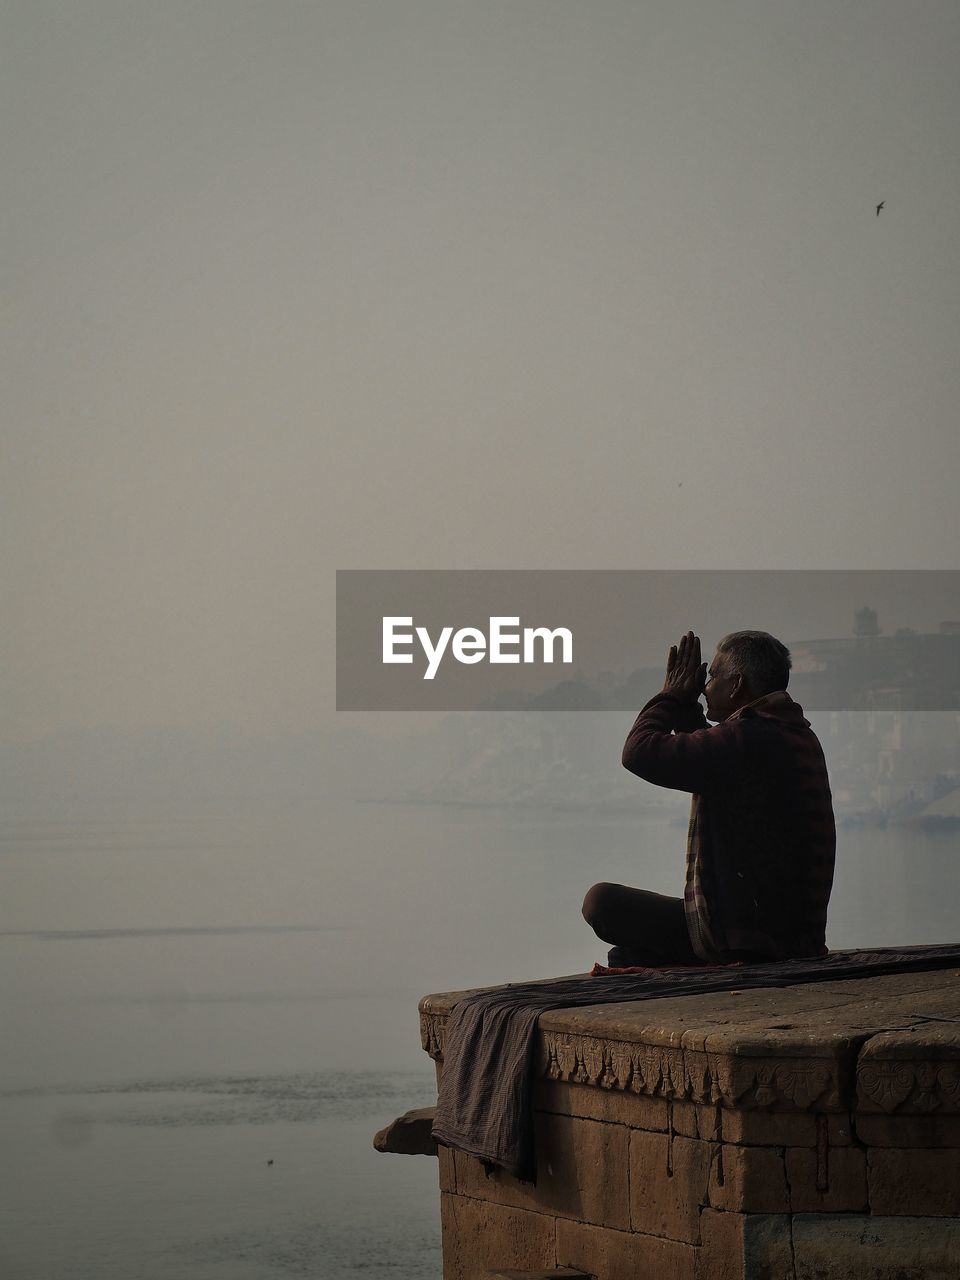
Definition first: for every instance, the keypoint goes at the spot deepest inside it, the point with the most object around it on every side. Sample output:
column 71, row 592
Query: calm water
column 184, row 1000
column 169, row 1179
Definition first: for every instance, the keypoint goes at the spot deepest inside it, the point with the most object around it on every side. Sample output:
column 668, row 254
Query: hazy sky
column 295, row 286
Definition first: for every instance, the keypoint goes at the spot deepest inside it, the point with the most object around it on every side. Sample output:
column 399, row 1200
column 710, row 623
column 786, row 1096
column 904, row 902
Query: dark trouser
column 643, row 928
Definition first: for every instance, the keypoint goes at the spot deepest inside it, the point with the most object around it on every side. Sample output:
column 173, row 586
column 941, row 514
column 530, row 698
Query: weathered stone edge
column 734, row 1081
column 915, row 1088
column 798, row 1084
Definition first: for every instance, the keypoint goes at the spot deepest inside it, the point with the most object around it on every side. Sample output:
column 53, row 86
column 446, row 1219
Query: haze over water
column 164, row 1038
column 359, row 284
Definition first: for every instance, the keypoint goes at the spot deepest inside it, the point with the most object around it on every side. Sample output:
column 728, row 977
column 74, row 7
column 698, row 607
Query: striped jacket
column 761, row 842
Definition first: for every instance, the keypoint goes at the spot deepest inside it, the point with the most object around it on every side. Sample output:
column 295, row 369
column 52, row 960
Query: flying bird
column 880, row 206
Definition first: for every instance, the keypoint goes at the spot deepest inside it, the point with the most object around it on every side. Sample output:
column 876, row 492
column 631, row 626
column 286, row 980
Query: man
column 761, row 841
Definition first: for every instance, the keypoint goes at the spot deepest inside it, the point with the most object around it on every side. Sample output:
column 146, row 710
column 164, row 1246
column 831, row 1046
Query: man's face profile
column 719, row 692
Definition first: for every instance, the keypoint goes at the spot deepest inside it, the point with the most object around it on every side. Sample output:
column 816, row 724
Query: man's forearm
column 679, row 715
column 689, row 718
column 656, row 748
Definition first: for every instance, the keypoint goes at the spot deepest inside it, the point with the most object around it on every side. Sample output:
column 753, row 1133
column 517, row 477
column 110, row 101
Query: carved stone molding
column 885, row 1087
column 917, row 1088
column 689, row 1076
column 787, row 1084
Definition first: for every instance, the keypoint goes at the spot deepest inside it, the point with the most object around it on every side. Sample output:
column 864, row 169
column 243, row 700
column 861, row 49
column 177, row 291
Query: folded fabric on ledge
column 484, row 1106
column 607, row 970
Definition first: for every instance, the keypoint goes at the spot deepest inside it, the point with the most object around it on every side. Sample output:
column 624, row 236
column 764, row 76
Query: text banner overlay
column 585, row 639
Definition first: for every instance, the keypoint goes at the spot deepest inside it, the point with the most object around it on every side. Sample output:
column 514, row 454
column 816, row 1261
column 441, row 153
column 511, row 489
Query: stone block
column 774, row 1082
column 479, row 1237
column 747, row 1180
column 769, row 1128
column 833, row 1180
column 909, row 1131
column 612, row 1106
column 839, row 1130
column 582, row 1172
column 448, row 1169
column 686, row 1120
column 720, row 1256
column 768, row 1247
column 409, row 1134
column 914, row 1183
column 623, row 1255
column 856, row 1247
column 668, row 1185
column 759, row 1128
column 913, row 1071
column 737, row 1246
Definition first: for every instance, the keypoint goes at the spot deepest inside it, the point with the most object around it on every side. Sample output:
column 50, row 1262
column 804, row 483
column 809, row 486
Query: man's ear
column 741, row 691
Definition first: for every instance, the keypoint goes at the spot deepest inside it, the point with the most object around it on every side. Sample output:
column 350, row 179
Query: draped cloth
column 485, row 1107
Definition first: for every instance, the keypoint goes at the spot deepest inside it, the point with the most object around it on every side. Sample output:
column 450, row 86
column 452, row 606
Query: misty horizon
column 293, row 290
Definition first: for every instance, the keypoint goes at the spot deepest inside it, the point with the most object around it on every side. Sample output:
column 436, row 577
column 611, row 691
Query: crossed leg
column 643, row 928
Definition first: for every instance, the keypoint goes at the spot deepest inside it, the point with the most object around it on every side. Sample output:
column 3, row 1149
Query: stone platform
column 804, row 1133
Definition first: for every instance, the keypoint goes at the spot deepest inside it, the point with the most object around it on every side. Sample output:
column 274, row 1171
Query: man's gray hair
column 762, row 660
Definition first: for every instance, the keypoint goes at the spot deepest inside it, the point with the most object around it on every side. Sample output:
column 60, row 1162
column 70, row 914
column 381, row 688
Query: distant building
column 903, row 672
